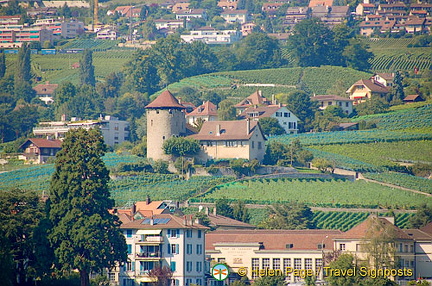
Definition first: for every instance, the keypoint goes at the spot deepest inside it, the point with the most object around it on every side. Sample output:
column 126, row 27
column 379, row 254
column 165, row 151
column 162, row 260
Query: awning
column 148, row 231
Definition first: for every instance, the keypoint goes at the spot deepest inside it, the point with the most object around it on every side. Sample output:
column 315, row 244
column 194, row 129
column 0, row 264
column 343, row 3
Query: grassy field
column 318, row 192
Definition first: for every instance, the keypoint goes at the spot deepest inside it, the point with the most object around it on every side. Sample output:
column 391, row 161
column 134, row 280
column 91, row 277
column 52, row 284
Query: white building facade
column 163, row 240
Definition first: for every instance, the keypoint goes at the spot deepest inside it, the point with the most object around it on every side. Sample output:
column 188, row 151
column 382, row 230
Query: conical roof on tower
column 165, row 100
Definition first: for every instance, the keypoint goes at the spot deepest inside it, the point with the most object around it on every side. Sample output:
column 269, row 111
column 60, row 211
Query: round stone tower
column 165, row 118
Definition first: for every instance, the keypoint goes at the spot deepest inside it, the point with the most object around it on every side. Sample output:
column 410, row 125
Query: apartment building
column 113, row 130
column 162, row 240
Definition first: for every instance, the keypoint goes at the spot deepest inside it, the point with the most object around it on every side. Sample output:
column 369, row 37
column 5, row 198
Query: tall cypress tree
column 87, row 69
column 2, row 64
column 85, row 235
column 22, row 79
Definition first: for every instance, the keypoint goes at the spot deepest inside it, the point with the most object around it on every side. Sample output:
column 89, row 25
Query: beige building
column 365, row 89
column 165, row 119
column 255, row 99
column 333, row 100
column 259, row 252
column 231, row 140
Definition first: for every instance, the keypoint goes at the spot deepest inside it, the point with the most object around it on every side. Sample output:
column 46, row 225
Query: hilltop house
column 45, row 92
column 287, row 120
column 39, row 150
column 206, row 111
column 255, row 99
column 365, row 89
column 333, row 100
column 235, row 16
column 385, row 79
column 231, row 140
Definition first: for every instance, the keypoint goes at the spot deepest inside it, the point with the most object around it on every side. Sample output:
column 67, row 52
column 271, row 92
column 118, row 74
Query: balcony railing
column 148, row 255
column 151, row 239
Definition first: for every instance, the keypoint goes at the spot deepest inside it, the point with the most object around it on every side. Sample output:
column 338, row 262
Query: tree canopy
column 289, row 216
column 180, row 146
column 271, row 126
column 86, row 70
column 85, row 235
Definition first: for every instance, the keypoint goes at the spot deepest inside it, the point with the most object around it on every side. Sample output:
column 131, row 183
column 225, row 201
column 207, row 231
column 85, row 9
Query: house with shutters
column 39, row 150
column 206, row 111
column 242, row 139
column 255, row 99
column 162, row 240
column 365, row 89
column 287, row 120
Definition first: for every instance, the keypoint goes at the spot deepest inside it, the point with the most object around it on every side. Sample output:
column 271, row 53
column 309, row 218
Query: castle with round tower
column 165, row 119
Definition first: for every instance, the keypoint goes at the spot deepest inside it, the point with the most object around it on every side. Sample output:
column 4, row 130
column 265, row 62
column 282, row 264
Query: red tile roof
column 427, row 228
column 43, row 143
column 164, row 221
column 207, row 108
column 314, row 3
column 220, row 221
column 372, row 86
column 263, row 111
column 411, row 97
column 361, row 230
column 165, row 100
column 229, row 130
column 255, row 98
column 45, row 88
column 305, row 239
column 418, row 234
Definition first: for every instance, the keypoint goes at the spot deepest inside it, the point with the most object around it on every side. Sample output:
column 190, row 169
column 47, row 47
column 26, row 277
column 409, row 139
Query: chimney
column 148, row 200
column 151, row 220
column 63, row 117
column 214, row 211
column 133, row 209
column 247, row 126
column 273, row 99
column 259, row 92
column 207, row 211
column 218, row 129
column 191, row 220
column 185, row 220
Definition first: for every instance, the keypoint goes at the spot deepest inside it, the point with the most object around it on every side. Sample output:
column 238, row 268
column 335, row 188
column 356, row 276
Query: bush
column 134, row 167
column 160, row 167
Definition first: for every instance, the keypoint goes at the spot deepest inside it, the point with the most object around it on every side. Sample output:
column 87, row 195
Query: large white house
column 113, row 130
column 163, row 240
column 210, row 35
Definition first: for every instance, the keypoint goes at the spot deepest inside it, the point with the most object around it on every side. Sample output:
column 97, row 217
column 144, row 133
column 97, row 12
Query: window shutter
column 177, row 248
column 133, row 265
column 169, row 248
column 178, row 232
column 169, row 232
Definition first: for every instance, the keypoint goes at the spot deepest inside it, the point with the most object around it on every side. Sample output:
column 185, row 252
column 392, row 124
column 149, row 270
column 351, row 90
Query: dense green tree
column 223, row 207
column 200, row 59
column 23, row 118
column 258, row 51
column 299, row 103
column 271, row 126
column 275, row 151
column 85, row 235
column 149, row 30
column 312, row 43
column 2, row 64
column 86, row 69
column 323, row 165
column 292, row 215
column 142, row 73
column 180, row 146
column 372, row 106
column 328, row 119
column 357, row 56
column 422, row 217
column 25, row 254
column 22, row 78
column 111, row 86
column 240, row 212
column 397, row 91
column 226, row 110
column 341, row 38
column 344, row 262
column 168, row 55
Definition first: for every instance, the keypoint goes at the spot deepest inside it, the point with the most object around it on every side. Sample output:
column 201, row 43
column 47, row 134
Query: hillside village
column 183, row 143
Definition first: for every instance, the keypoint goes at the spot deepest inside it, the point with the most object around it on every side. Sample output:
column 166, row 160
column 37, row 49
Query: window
column 173, row 248
column 259, row 145
column 199, row 266
column 199, row 249
column 308, row 263
column 188, row 248
column 346, row 104
column 342, row 246
column 255, row 266
column 111, row 276
column 412, row 248
column 199, row 281
column 231, row 143
column 297, row 263
column 318, row 264
column 221, row 259
column 286, row 263
column 278, row 114
column 406, row 247
column 129, row 233
column 330, row 103
column 199, row 233
column 188, row 282
column 276, row 263
column 265, row 263
column 188, row 233
column 287, row 114
column 253, row 144
column 129, row 248
column 173, row 232
column 188, row 266
column 173, row 266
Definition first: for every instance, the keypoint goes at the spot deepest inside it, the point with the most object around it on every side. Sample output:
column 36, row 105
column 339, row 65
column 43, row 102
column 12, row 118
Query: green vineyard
column 315, row 192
